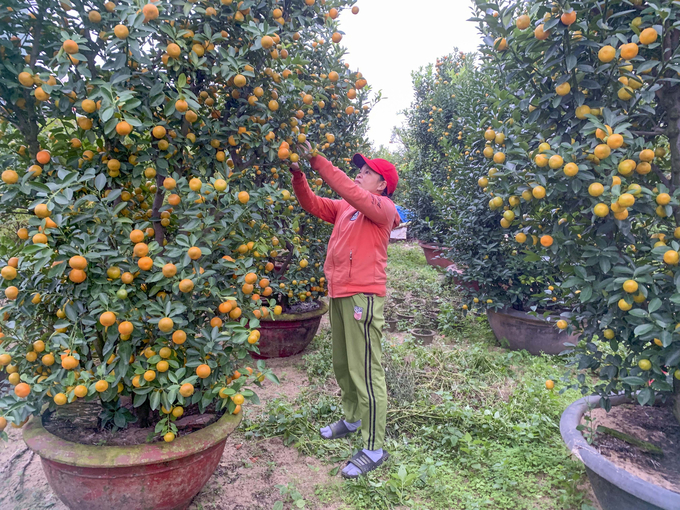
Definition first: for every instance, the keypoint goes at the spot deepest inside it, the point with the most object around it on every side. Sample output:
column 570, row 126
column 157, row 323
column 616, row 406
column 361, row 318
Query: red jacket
column 357, row 251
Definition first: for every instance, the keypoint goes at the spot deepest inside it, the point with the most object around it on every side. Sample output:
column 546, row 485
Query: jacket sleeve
column 378, row 209
column 323, row 208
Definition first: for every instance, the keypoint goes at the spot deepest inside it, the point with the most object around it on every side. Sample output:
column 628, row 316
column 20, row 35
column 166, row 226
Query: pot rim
column 53, row 448
column 290, row 317
column 579, row 447
column 520, row 315
column 424, row 332
column 431, row 246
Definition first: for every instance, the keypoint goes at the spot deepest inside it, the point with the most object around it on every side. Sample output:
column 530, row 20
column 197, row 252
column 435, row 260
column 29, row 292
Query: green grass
column 408, row 272
column 470, row 425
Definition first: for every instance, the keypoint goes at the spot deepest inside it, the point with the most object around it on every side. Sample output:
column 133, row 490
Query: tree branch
column 662, row 177
column 236, row 159
column 285, row 265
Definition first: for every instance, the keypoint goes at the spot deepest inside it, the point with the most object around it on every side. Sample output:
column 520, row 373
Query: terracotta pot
column 519, row 330
column 433, row 255
column 614, row 487
column 391, row 325
column 457, row 275
column 424, row 335
column 288, row 334
column 158, row 476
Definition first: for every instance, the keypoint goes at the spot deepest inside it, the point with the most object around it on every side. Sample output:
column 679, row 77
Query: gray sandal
column 365, row 463
column 339, row 429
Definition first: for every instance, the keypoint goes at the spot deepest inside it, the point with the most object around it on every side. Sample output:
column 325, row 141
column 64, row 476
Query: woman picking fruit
column 355, row 270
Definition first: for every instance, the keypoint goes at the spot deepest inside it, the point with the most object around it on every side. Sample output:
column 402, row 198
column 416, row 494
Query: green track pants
column 356, row 326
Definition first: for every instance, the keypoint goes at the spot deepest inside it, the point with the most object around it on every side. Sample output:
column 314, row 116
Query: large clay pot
column 288, row 334
column 433, row 255
column 158, row 476
column 519, row 330
column 457, row 275
column 614, row 487
column 424, row 335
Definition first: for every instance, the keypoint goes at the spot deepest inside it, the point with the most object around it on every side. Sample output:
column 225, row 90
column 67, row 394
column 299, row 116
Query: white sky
column 390, row 38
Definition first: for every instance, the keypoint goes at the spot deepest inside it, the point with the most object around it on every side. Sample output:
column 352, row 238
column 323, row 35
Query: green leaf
column 155, row 400
column 139, row 400
column 531, row 257
column 634, row 380
column 645, row 396
column 571, row 62
column 654, row 305
column 605, row 265
column 643, row 329
column 100, row 181
column 586, row 294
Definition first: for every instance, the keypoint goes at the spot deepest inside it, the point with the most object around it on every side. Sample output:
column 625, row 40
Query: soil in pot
column 79, row 423
column 655, row 425
column 424, row 335
column 303, row 307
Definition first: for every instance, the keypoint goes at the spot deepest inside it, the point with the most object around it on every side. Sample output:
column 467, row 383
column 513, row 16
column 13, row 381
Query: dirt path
column 22, row 481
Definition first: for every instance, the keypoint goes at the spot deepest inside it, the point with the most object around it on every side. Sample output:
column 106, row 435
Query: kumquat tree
column 587, row 99
column 451, row 167
column 430, row 120
column 147, row 144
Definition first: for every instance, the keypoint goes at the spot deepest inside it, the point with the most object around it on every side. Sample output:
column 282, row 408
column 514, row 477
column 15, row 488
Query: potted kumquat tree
column 589, row 107
column 147, row 147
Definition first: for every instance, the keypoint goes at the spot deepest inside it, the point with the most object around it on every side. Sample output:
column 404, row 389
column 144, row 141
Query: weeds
column 289, row 493
column 319, row 362
column 400, row 378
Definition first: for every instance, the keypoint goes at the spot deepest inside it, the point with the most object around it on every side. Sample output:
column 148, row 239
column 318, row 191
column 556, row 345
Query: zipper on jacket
column 350, row 263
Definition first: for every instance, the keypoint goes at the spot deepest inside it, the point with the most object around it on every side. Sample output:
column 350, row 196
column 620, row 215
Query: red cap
column 381, row 166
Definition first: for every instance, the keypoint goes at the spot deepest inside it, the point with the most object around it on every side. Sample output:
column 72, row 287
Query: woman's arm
column 323, row 208
column 376, row 208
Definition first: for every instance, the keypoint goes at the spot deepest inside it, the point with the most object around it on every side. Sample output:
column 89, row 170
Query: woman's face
column 370, row 181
